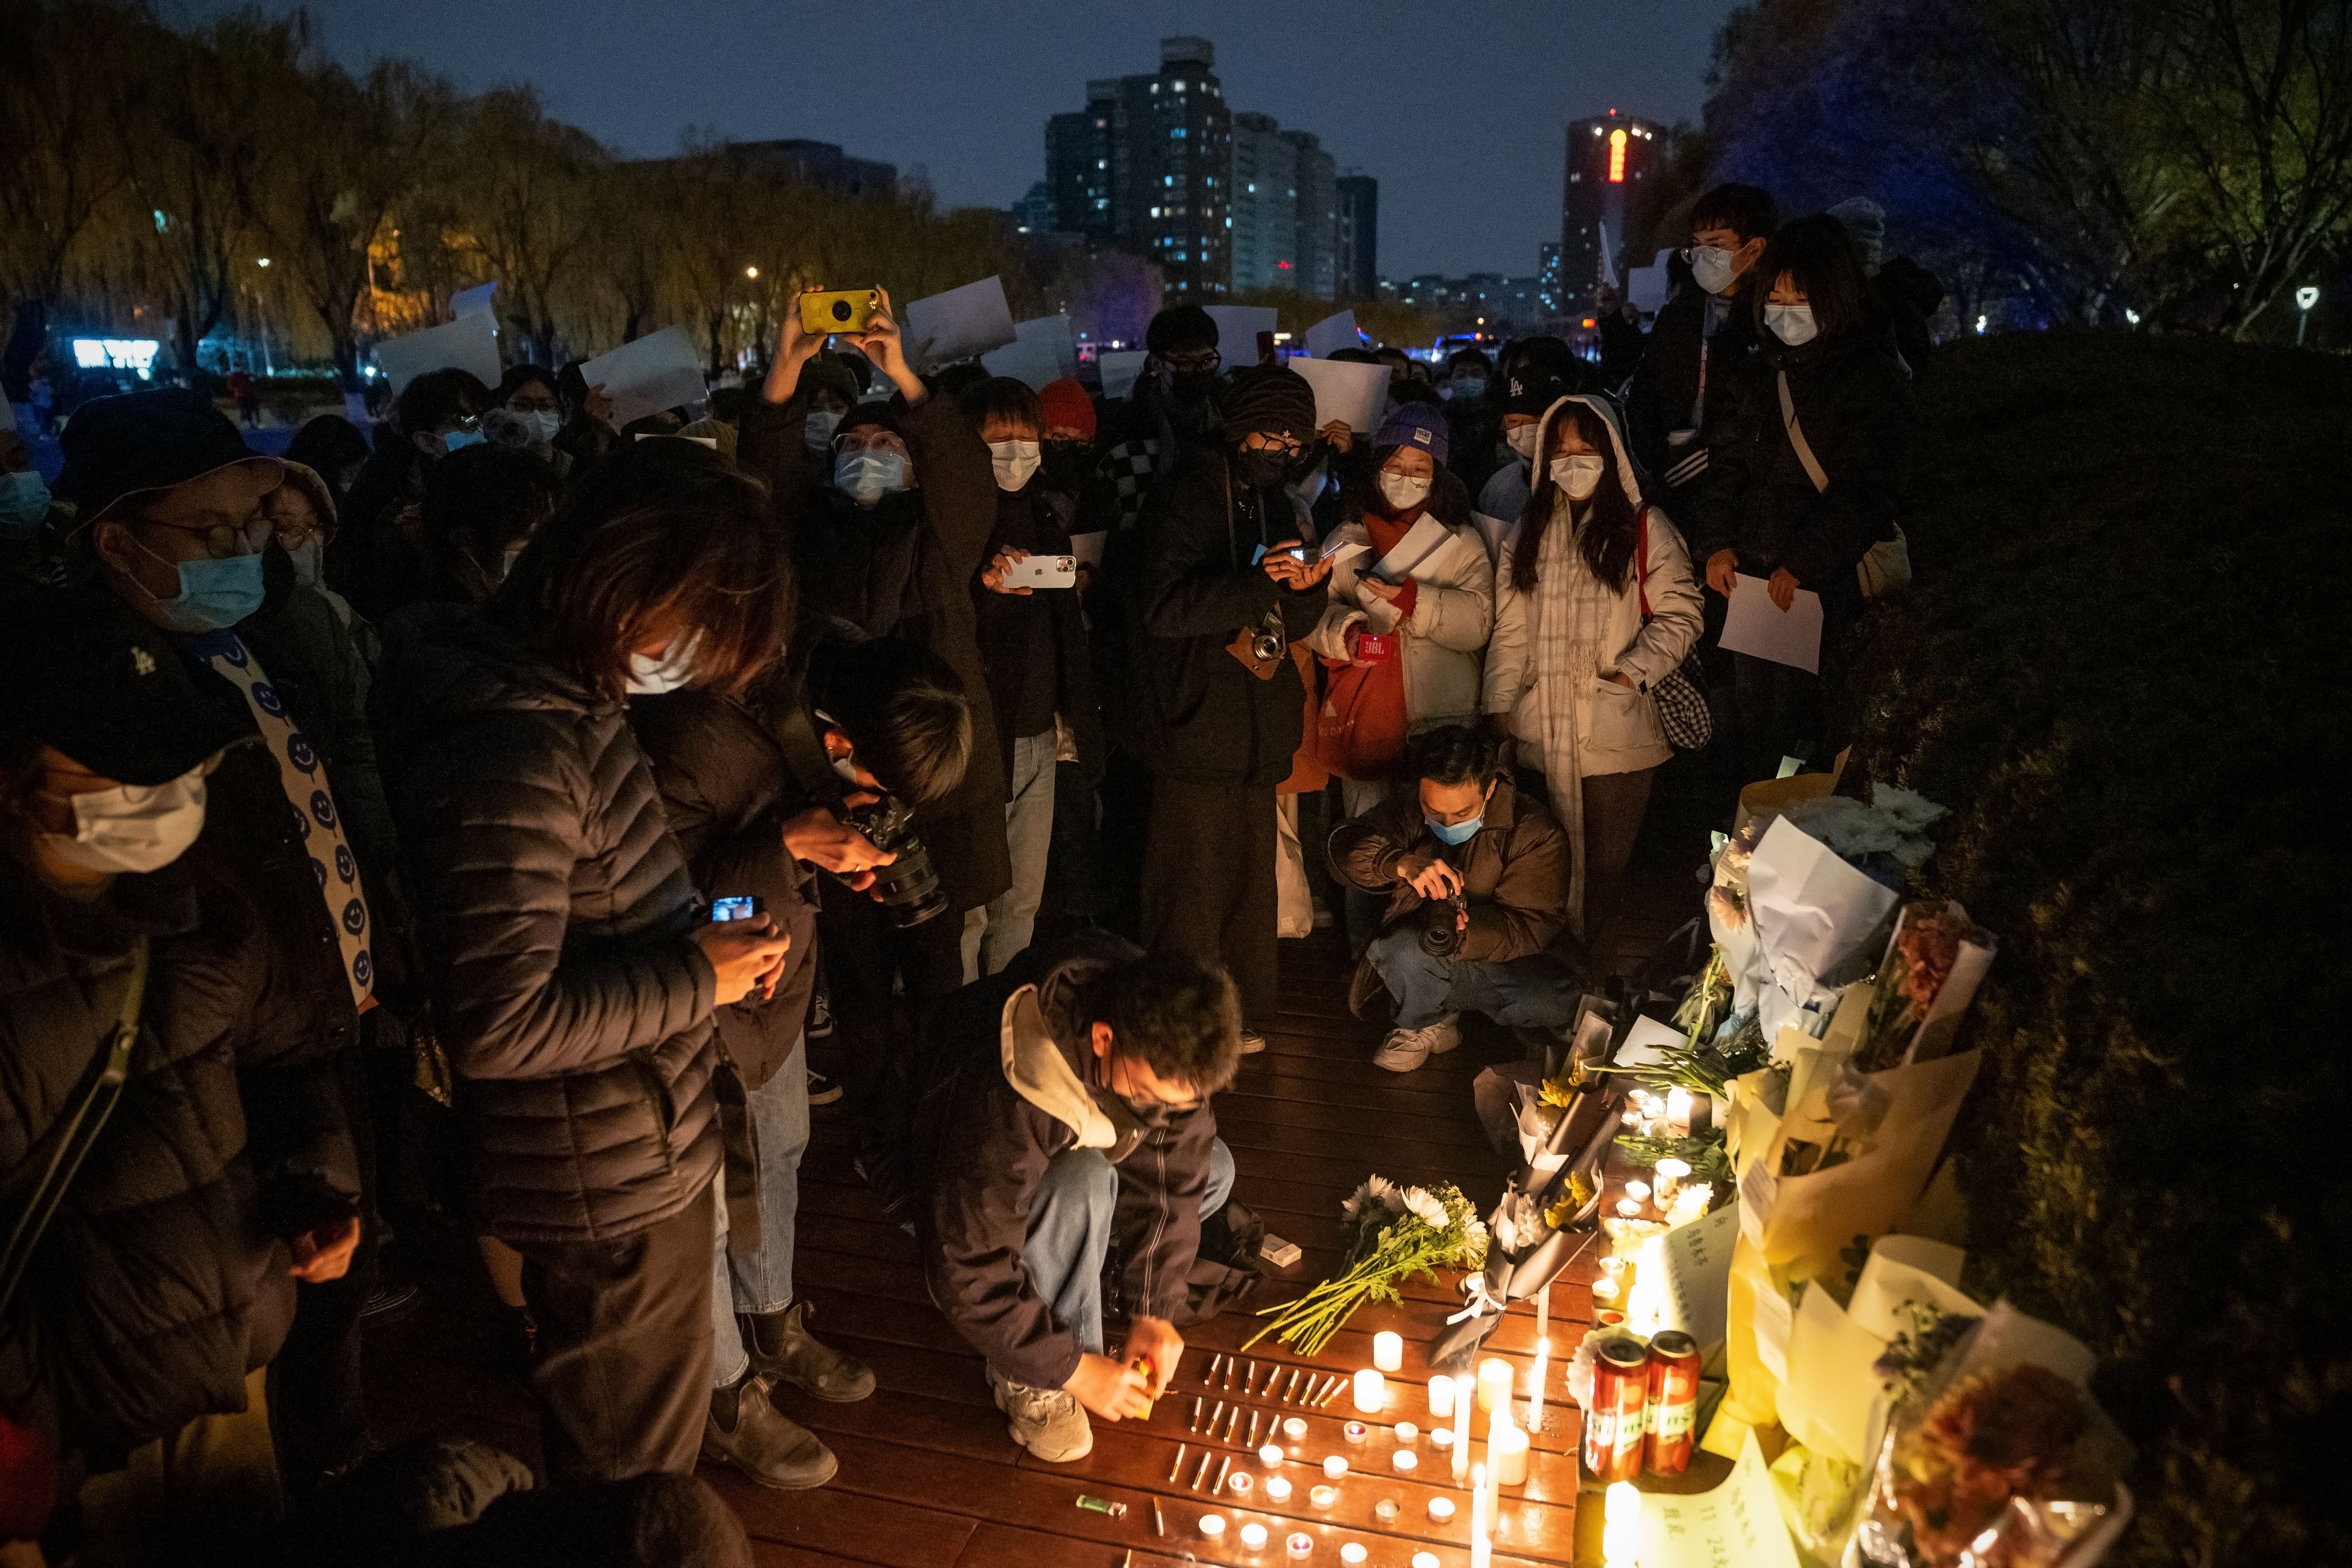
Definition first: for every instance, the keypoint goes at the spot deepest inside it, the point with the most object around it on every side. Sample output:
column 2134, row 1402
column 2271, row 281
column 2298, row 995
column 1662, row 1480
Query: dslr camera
column 909, row 887
column 1441, row 922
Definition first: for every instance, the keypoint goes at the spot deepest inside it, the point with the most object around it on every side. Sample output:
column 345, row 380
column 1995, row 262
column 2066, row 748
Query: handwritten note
column 1698, row 1275
column 1737, row 1525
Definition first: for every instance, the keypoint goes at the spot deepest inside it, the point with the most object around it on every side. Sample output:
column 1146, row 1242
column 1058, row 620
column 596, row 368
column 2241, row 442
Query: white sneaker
column 1405, row 1049
column 1049, row 1422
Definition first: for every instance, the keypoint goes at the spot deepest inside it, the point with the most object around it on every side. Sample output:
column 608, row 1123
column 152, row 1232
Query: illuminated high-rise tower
column 1608, row 155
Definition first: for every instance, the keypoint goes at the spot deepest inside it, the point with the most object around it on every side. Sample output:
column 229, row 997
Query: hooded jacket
column 904, row 567
column 160, row 1280
column 1856, row 408
column 555, row 909
column 1597, row 726
column 1002, row 1085
column 1205, row 718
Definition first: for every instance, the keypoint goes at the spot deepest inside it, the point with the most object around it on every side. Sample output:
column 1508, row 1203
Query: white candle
column 1270, row 1456
column 1213, row 1525
column 1354, row 1552
column 1294, row 1429
column 1334, row 1465
column 1371, row 1391
column 1298, row 1544
column 1628, row 1208
column 1388, row 1351
column 1535, row 1385
column 1671, row 1173
column 1442, row 1437
column 1463, row 1390
column 1441, row 1398
column 1406, row 1432
column 1441, row 1509
column 1404, row 1459
column 1424, row 1560
column 1481, row 1550
column 1637, row 1190
column 1678, row 1111
column 1510, row 1457
column 1543, row 1312
column 1276, row 1489
column 1621, row 1528
column 1494, row 1383
column 1253, row 1535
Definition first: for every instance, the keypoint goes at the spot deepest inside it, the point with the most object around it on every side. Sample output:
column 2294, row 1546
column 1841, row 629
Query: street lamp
column 751, row 272
column 2304, row 298
column 263, row 262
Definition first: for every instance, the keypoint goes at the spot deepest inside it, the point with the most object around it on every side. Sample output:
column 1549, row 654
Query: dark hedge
column 2123, row 667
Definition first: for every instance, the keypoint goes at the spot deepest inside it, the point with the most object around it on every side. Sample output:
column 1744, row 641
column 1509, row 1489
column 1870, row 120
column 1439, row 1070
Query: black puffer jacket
column 553, row 909
column 1205, row 718
column 1665, row 389
column 1855, row 407
column 161, row 1282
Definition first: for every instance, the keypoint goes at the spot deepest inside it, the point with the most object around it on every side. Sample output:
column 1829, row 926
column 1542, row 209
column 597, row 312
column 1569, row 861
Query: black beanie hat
column 144, row 441
column 1273, row 399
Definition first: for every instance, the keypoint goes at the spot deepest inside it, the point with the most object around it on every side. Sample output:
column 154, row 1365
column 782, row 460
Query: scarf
column 1573, row 612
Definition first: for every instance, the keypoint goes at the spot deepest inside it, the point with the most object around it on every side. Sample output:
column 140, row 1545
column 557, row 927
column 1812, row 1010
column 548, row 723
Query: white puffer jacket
column 1444, row 637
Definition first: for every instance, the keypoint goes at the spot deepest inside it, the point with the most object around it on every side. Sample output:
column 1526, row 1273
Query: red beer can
column 1614, row 1422
column 1673, row 1402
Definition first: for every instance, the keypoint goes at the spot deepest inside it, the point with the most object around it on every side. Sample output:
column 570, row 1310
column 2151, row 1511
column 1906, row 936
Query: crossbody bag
column 1886, row 566
column 1681, row 697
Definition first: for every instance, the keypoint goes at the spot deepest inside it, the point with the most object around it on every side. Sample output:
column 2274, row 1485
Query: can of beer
column 1614, row 1422
column 1671, row 1403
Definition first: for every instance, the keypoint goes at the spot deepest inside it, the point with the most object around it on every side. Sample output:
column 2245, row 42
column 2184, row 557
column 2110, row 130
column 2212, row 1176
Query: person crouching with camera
column 765, row 788
column 1477, row 878
column 1058, row 1107
column 1227, row 584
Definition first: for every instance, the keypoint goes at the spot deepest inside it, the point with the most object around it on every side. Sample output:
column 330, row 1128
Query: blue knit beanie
column 1415, row 425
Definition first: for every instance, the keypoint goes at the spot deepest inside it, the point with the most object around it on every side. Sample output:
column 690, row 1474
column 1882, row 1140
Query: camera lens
column 841, row 309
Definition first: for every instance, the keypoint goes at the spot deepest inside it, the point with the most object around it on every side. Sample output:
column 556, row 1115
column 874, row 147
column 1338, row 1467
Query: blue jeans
column 1070, row 1232
column 763, row 1282
column 1536, row 991
column 995, row 936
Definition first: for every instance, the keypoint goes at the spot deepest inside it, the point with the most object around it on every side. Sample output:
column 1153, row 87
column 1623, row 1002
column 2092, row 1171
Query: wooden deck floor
column 929, row 1477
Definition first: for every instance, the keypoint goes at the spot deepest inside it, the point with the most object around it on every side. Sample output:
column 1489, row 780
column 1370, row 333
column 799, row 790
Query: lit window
column 1155, row 212
column 1178, row 133
column 1180, row 87
column 1253, row 187
column 1167, row 179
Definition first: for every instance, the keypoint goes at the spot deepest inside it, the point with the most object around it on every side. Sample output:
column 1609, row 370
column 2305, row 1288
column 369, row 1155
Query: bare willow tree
column 348, row 152
column 527, row 188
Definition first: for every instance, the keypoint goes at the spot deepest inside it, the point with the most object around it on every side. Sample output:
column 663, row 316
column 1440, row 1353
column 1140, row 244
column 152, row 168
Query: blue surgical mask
column 1792, row 324
column 866, row 476
column 1456, row 832
column 213, row 594
column 457, row 439
column 24, row 503
column 1469, row 388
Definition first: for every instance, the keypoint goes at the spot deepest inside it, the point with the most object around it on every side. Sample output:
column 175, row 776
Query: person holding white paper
column 1597, row 605
column 435, row 413
column 1174, row 406
column 1405, row 634
column 1805, row 486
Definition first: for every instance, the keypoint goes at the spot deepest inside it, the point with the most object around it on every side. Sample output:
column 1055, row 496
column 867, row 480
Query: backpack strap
column 1796, row 437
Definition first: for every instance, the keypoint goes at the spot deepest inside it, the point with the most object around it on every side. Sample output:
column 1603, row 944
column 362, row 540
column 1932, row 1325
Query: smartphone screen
column 743, row 907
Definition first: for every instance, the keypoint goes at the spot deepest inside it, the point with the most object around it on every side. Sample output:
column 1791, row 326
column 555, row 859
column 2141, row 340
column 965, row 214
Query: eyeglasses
column 225, row 540
column 1286, row 446
column 1193, row 364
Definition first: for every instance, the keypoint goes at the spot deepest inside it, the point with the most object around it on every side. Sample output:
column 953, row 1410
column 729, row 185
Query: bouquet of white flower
column 1393, row 1231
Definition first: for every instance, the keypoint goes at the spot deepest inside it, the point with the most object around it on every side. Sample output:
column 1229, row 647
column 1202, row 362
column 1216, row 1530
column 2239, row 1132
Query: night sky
column 1458, row 107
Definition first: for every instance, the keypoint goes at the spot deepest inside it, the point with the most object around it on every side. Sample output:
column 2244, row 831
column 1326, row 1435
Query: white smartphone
column 1044, row 572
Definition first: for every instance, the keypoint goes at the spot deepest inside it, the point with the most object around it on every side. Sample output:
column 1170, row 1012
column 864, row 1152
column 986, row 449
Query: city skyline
column 1460, row 124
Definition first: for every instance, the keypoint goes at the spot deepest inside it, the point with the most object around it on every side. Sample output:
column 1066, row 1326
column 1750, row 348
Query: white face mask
column 1792, row 324
column 1521, row 438
column 818, row 434
column 650, row 675
column 543, row 423
column 1711, row 268
column 308, row 569
column 1402, row 494
column 132, row 828
column 1016, row 462
column 1578, row 473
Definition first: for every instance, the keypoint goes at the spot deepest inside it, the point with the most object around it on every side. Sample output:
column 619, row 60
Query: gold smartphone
column 839, row 310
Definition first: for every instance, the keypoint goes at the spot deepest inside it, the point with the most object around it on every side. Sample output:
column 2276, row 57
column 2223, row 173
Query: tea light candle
column 1406, row 1431
column 1605, row 1289
column 1441, row 1398
column 1276, row 1489
column 1388, row 1351
column 1294, row 1429
column 1386, row 1510
column 1241, row 1484
column 1324, row 1497
column 1441, row 1509
column 1671, row 1173
column 1298, row 1544
column 1404, row 1459
column 1494, row 1383
column 1356, row 1431
column 1442, row 1439
column 1335, row 1466
column 1270, row 1456
column 1253, row 1535
column 1637, row 1189
column 1510, row 1449
column 1371, row 1391
column 1629, row 1208
column 1424, row 1560
column 1353, row 1551
column 1213, row 1525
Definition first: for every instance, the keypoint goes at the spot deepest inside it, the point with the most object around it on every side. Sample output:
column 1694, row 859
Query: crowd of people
column 483, row 815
